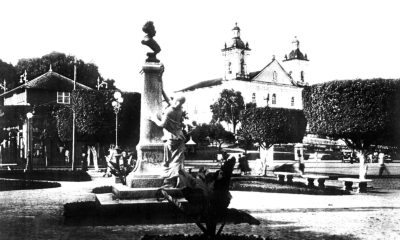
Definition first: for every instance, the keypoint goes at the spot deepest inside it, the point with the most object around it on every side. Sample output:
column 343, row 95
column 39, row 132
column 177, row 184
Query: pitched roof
column 203, row 84
column 49, row 81
column 274, row 60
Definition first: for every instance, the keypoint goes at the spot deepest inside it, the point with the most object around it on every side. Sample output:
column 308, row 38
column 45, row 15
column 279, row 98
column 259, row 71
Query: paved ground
column 37, row 214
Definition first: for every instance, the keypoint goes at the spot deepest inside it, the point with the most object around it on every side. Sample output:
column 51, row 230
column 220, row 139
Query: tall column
column 151, row 103
column 148, row 171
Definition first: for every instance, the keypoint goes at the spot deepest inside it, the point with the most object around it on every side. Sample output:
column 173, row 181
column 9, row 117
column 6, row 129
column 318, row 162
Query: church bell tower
column 296, row 63
column 235, row 57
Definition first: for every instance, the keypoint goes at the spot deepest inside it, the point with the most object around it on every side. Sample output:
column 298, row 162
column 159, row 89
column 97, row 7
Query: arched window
column 229, row 67
column 274, row 76
column 292, row 102
column 274, row 98
column 302, row 76
column 253, row 98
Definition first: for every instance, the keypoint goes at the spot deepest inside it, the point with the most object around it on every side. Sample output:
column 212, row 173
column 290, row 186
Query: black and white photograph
column 187, row 119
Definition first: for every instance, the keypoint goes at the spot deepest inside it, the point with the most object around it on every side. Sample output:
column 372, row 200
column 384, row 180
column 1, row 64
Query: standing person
column 301, row 162
column 174, row 148
column 112, row 152
column 66, row 156
column 244, row 164
column 84, row 155
column 382, row 166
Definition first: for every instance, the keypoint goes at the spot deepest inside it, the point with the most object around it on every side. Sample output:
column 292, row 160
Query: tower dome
column 296, row 53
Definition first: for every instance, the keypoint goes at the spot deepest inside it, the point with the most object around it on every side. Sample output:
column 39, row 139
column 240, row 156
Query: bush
column 50, row 175
column 17, row 184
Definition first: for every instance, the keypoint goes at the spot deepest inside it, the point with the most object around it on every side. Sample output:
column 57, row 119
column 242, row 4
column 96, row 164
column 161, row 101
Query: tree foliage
column 267, row 126
column 364, row 113
column 87, row 73
column 200, row 133
column 95, row 118
column 218, row 134
column 8, row 73
column 228, row 107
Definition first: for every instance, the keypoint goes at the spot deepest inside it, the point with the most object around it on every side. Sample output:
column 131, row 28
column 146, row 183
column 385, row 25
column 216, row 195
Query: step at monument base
column 124, row 192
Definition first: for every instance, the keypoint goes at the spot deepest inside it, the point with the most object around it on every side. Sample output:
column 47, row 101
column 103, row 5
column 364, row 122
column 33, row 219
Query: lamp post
column 28, row 166
column 117, row 107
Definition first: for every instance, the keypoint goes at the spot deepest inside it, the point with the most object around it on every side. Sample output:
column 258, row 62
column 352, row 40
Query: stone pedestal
column 148, row 171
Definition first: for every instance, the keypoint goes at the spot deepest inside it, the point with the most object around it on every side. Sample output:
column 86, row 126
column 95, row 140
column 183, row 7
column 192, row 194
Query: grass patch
column 80, row 209
column 49, row 175
column 19, row 184
column 270, row 185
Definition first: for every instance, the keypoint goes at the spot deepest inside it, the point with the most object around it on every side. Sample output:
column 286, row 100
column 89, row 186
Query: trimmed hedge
column 362, row 112
column 267, row 126
column 49, row 175
column 18, row 184
column 102, row 189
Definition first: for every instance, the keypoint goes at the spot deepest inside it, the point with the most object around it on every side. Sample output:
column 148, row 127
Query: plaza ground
column 38, row 214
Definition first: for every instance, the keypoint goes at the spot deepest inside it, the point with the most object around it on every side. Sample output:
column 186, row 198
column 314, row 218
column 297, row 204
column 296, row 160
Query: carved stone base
column 148, row 171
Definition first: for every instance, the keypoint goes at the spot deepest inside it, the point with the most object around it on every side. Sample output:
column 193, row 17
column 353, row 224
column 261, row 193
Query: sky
column 342, row 39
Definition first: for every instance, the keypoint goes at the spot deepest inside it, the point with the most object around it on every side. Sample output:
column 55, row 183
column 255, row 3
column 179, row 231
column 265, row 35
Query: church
column 278, row 84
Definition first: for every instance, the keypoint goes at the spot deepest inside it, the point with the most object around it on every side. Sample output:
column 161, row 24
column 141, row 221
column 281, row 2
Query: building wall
column 296, row 67
column 198, row 101
column 233, row 64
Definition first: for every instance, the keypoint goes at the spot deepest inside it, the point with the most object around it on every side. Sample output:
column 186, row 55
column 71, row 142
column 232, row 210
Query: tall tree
column 8, row 73
column 364, row 113
column 87, row 73
column 268, row 126
column 95, row 118
column 228, row 107
column 218, row 134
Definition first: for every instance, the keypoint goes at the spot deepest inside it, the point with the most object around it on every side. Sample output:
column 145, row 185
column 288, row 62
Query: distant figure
column 382, row 166
column 244, row 164
column 66, row 156
column 112, row 157
column 84, row 155
column 301, row 163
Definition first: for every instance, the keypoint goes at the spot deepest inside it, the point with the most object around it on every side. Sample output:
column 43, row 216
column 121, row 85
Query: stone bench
column 348, row 184
column 320, row 178
column 8, row 165
column 281, row 176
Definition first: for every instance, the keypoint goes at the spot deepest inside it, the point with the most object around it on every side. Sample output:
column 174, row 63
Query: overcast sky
column 343, row 39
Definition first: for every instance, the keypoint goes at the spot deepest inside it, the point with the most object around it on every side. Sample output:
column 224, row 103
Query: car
column 349, row 156
column 387, row 158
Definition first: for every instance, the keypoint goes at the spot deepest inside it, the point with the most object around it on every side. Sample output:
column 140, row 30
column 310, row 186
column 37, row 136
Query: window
column 253, row 98
column 292, row 102
column 229, row 67
column 274, row 98
column 275, row 76
column 63, row 97
column 302, row 76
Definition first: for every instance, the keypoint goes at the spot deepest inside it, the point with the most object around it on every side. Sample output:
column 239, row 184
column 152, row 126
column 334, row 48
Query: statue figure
column 148, row 40
column 174, row 148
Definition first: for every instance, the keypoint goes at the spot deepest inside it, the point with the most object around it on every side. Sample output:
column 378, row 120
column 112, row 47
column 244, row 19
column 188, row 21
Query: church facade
column 278, row 84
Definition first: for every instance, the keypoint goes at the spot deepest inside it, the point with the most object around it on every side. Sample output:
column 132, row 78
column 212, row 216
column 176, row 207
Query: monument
column 150, row 170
